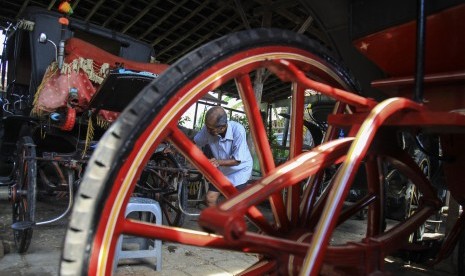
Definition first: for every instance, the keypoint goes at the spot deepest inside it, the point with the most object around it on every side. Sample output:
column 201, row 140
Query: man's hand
column 167, row 150
column 226, row 163
column 215, row 162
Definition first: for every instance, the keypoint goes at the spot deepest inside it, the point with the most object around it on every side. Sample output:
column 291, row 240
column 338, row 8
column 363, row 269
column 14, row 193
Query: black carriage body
column 28, row 60
column 39, row 157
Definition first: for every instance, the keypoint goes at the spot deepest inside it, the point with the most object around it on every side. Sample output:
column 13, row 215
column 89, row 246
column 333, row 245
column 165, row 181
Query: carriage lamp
column 43, row 39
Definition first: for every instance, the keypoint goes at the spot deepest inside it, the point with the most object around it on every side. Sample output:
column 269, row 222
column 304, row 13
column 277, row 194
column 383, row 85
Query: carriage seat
column 77, row 48
column 64, row 94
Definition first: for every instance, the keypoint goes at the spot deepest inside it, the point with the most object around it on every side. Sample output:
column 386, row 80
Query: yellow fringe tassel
column 101, row 122
column 89, row 135
column 51, row 70
column 94, row 72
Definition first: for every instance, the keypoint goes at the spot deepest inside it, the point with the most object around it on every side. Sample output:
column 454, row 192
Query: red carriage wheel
column 228, row 63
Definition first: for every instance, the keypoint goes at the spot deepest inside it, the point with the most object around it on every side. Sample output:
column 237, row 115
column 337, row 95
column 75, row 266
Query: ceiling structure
column 176, row 27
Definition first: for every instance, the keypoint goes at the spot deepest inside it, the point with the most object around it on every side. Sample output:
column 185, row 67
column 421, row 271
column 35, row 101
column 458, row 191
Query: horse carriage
column 67, row 82
column 425, row 102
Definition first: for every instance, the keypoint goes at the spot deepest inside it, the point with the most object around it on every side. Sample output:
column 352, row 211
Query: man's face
column 215, row 130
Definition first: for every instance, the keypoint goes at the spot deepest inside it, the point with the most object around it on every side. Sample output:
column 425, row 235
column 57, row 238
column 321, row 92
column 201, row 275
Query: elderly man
column 228, row 144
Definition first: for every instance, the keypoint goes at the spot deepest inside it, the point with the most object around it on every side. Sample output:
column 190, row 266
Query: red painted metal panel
column 393, row 49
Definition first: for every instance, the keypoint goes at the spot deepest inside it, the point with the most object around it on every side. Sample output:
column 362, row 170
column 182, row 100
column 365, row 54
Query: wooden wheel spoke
column 257, row 128
column 253, row 242
column 297, row 115
column 200, row 161
column 263, row 150
column 166, row 233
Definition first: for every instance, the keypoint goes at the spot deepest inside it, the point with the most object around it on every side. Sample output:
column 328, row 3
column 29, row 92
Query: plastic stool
column 147, row 205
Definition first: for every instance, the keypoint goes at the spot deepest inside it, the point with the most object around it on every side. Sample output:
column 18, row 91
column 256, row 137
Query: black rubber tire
column 24, row 204
column 120, row 140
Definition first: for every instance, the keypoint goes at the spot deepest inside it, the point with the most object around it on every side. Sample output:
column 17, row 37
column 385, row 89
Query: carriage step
column 6, row 181
column 22, row 225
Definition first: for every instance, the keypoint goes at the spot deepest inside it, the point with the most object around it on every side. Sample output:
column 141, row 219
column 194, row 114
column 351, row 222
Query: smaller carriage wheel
column 413, row 196
column 24, row 200
column 164, row 186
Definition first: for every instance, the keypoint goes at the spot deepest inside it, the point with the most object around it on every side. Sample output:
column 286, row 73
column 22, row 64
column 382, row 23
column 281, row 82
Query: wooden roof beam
column 52, row 3
column 94, row 9
column 279, row 7
column 180, row 23
column 139, row 16
column 307, row 23
column 116, row 12
column 23, row 7
column 240, row 10
column 193, row 30
column 75, row 4
column 206, row 37
column 163, row 18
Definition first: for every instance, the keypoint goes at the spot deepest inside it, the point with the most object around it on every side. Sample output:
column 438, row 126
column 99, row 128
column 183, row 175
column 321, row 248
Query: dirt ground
column 43, row 256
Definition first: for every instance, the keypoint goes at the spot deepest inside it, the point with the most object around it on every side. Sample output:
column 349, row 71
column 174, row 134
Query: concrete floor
column 43, row 255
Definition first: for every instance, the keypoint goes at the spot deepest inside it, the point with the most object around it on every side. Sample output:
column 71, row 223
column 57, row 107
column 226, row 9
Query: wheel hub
column 12, row 193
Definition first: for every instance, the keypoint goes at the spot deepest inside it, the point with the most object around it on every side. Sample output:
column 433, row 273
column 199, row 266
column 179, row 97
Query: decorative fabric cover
column 77, row 48
column 57, row 89
column 85, row 67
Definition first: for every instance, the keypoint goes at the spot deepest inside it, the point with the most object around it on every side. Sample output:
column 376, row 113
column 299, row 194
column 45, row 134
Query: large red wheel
column 230, row 62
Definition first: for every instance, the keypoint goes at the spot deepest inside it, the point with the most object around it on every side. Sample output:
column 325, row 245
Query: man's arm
column 226, row 162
